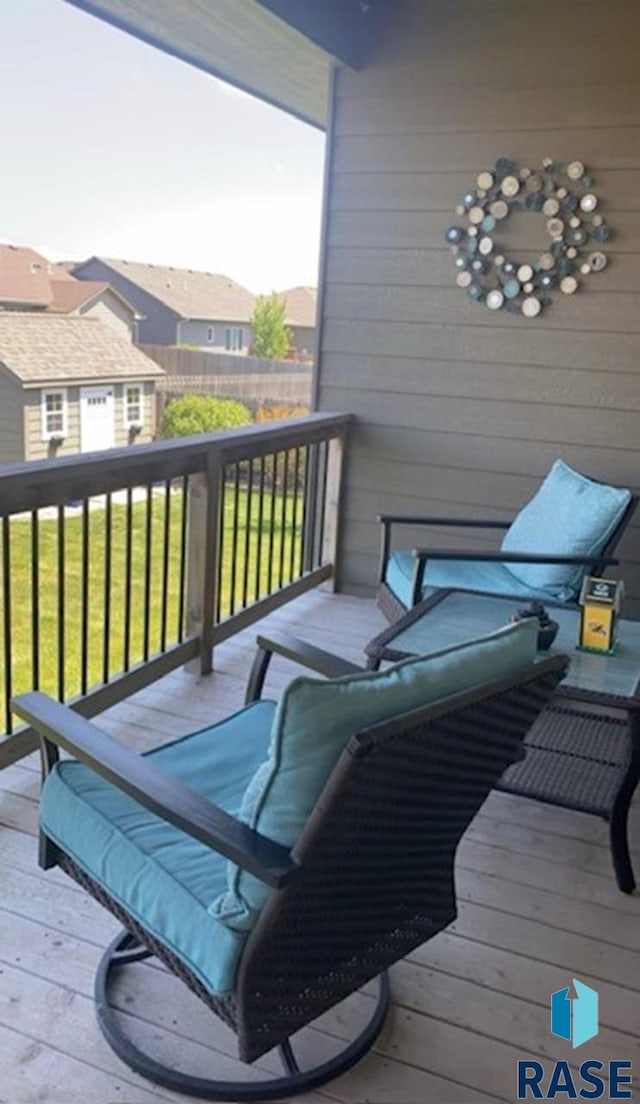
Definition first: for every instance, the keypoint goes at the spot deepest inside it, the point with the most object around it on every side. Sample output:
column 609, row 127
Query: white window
column 234, row 339
column 133, row 405
column 211, row 333
column 54, row 413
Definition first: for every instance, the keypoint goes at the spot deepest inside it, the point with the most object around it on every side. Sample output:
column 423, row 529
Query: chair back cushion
column 569, row 515
column 314, row 722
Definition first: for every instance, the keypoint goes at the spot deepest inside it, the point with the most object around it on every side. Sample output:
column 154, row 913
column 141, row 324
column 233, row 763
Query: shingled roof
column 201, row 296
column 24, row 277
column 70, row 294
column 51, row 348
column 301, row 306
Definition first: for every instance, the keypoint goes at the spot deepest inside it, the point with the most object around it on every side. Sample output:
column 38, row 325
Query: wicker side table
column 583, row 752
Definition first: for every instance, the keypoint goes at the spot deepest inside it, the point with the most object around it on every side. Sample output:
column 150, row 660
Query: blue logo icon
column 575, row 1018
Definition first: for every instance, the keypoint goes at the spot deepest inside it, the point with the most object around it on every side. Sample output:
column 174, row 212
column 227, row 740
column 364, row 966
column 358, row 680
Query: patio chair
column 283, row 858
column 569, row 529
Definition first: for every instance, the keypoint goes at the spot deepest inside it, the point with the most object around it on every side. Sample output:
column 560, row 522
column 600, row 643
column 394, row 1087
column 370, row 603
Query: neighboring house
column 70, row 384
column 28, row 281
column 180, row 306
column 24, row 279
column 95, row 299
column 301, row 320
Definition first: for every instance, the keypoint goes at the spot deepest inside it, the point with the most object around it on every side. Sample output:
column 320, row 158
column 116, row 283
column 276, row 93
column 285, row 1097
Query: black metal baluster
column 323, row 497
column 183, row 558
column 294, row 514
column 61, row 603
column 305, row 499
column 147, row 574
column 258, row 587
column 127, row 581
column 6, row 588
column 247, row 537
column 283, row 516
column 35, row 602
column 234, row 539
column 221, row 538
column 312, row 502
column 106, row 632
column 84, row 598
column 166, row 538
column 272, row 521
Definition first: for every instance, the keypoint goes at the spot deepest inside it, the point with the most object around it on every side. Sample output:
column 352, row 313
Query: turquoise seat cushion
column 315, row 720
column 569, row 515
column 166, row 879
column 490, row 578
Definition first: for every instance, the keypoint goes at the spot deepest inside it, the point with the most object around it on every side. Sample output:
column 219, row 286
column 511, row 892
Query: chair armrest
column 509, row 557
column 165, row 796
column 469, row 523
column 307, row 655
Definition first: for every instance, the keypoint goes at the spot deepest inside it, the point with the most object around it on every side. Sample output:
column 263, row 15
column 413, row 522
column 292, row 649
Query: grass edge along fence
column 117, row 567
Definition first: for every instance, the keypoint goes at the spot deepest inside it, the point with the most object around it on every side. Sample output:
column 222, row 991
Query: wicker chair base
column 125, row 949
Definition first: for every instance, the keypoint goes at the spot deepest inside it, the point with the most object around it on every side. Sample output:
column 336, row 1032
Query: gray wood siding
column 462, row 410
column 35, row 447
column 11, row 420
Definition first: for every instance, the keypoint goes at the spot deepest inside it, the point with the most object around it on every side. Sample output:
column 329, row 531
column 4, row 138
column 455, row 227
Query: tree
column 271, row 338
column 202, row 414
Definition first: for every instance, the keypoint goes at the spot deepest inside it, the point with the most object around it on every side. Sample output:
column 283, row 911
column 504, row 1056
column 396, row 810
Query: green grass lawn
column 252, row 547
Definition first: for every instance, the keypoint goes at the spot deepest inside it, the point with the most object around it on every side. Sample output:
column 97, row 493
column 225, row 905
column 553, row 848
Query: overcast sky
column 111, row 147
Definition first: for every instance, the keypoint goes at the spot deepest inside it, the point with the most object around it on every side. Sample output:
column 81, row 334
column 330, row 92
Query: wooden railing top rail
column 29, row 486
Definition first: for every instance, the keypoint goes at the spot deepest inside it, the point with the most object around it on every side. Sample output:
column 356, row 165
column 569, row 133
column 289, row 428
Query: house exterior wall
column 197, row 333
column 108, row 308
column 462, row 410
column 158, row 326
column 303, row 339
column 35, row 448
column 11, row 420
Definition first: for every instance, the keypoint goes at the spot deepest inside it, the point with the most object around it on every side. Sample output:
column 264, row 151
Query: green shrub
column 202, row 414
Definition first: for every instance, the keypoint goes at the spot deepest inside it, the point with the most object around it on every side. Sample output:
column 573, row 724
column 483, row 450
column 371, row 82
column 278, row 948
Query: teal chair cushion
column 316, row 718
column 166, row 879
column 569, row 515
column 490, row 578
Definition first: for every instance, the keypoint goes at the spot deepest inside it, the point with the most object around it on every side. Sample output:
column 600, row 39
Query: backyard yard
column 141, row 607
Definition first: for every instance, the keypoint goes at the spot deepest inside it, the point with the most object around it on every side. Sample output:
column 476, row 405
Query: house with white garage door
column 71, row 384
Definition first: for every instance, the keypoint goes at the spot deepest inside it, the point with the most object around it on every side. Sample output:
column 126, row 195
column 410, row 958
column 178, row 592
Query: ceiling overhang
column 279, row 50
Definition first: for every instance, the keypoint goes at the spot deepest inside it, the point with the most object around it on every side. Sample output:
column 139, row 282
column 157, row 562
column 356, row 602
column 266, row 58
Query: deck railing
column 117, row 567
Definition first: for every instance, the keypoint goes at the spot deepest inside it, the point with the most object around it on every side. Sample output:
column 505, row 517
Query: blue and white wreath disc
column 562, row 192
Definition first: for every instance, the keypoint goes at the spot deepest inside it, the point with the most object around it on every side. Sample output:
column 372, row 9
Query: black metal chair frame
column 393, row 608
column 401, row 796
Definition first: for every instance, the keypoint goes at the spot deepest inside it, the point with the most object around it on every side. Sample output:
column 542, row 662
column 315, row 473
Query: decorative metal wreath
column 563, row 193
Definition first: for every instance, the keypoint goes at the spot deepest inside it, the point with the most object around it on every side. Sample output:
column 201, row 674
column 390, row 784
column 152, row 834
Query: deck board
column 537, row 906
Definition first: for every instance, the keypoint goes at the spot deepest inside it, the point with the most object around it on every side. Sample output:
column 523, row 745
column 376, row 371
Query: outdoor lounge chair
column 569, row 529
column 281, row 859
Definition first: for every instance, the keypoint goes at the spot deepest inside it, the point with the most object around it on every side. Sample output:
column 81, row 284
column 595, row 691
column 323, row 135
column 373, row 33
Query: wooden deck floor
column 538, row 906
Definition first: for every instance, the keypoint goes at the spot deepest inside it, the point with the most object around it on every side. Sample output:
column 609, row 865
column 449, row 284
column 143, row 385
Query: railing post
column 205, row 501
column 332, row 506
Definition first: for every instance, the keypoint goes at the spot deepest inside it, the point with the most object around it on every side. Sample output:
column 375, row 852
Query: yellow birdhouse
column 600, row 603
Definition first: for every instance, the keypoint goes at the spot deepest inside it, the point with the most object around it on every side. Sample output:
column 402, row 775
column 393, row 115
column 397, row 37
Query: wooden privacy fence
column 253, row 380
column 117, row 567
column 287, row 389
column 178, row 361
